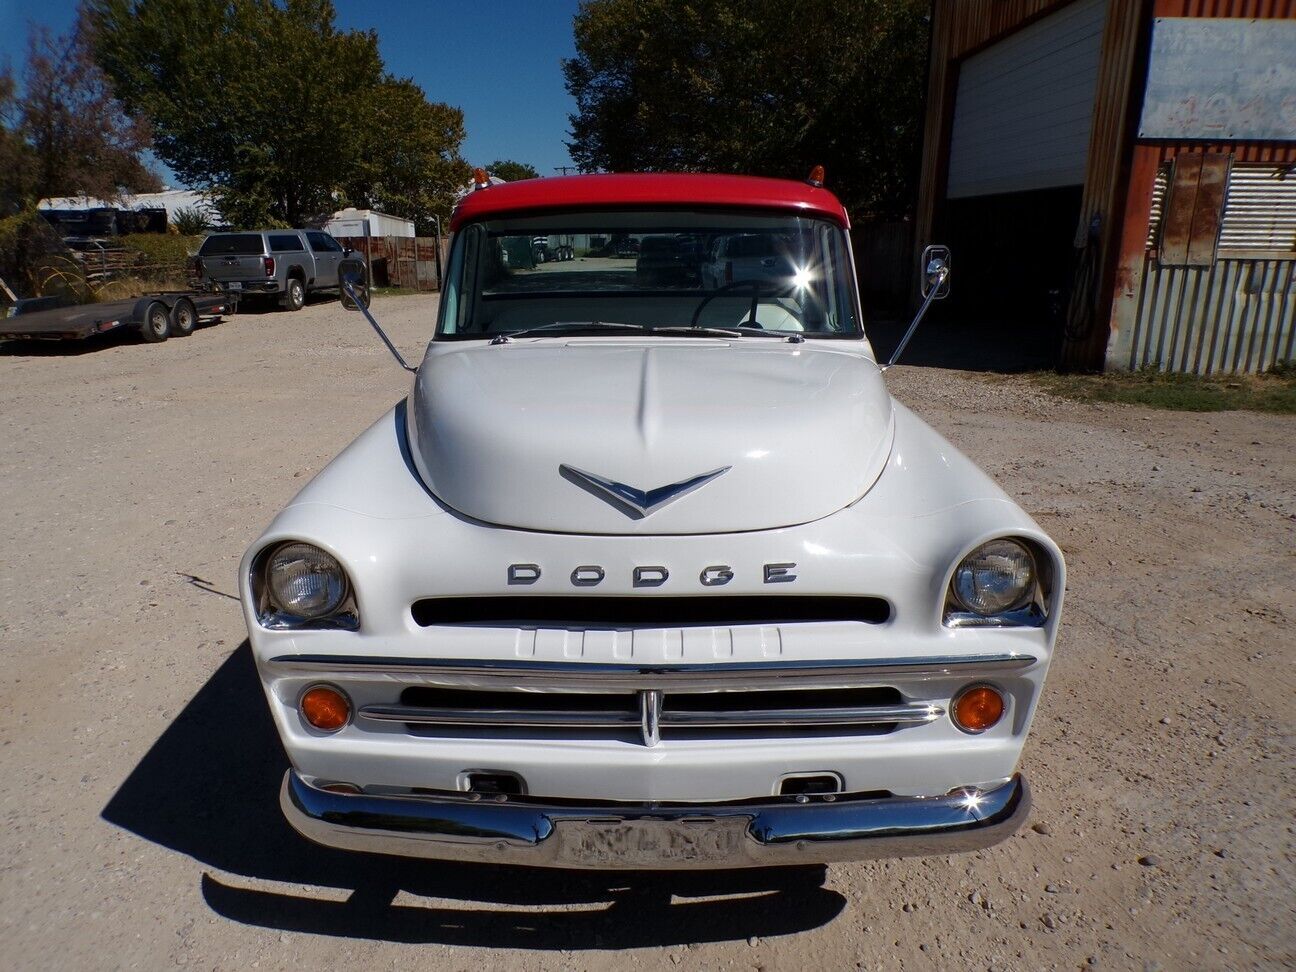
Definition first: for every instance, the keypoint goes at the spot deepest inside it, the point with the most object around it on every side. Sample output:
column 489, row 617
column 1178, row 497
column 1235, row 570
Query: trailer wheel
column 156, row 325
column 294, row 298
column 184, row 318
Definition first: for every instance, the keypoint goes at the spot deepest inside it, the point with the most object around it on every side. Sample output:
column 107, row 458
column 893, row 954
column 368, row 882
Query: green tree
column 272, row 108
column 511, row 171
column 754, row 86
column 408, row 161
column 62, row 132
column 17, row 164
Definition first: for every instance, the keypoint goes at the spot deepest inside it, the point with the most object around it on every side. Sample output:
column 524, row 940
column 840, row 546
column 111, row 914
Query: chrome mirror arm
column 360, row 306
column 941, row 274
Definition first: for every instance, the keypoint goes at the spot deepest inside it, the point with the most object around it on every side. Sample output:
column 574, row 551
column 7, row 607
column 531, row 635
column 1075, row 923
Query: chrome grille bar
column 651, row 718
column 566, row 719
column 587, row 677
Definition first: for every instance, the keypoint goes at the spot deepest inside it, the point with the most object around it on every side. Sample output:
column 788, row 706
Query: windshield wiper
column 577, row 327
column 571, row 327
column 741, row 330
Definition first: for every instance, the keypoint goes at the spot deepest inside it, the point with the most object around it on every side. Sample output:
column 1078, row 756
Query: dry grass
column 1274, row 391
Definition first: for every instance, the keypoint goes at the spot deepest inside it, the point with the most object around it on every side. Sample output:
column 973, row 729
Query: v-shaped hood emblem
column 636, row 503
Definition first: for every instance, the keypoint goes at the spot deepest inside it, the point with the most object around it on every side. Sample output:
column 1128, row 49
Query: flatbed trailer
column 155, row 316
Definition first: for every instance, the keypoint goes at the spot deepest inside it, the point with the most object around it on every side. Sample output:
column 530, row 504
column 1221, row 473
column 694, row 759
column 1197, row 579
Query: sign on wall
column 1219, row 79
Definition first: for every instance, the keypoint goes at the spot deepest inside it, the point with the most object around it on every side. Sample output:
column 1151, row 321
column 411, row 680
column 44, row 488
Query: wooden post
column 368, row 255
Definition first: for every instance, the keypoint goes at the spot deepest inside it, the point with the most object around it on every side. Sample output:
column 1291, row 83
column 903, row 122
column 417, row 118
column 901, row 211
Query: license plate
column 645, row 843
column 234, row 286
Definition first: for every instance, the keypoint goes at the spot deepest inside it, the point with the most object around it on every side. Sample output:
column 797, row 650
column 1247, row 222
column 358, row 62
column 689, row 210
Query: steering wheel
column 757, row 286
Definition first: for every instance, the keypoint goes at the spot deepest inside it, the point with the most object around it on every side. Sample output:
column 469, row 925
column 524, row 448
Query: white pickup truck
column 644, row 577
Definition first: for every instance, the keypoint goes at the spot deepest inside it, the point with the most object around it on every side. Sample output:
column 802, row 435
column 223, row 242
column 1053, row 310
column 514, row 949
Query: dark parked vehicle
column 662, row 259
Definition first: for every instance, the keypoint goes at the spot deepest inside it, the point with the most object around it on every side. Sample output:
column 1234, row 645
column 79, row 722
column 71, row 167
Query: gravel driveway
column 138, row 767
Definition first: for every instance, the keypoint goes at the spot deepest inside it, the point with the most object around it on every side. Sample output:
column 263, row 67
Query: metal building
column 1117, row 178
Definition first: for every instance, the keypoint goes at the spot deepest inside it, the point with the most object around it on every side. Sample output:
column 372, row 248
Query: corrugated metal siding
column 1260, row 214
column 1237, row 316
column 1160, row 189
column 1024, row 106
column 1226, row 8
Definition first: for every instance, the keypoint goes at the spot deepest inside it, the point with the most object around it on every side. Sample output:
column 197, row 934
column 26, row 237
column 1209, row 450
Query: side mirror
column 936, row 272
column 347, row 251
column 353, row 287
column 354, row 291
column 935, row 267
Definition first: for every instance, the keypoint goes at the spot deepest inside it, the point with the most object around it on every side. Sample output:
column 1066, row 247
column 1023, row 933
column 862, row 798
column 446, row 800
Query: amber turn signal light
column 327, row 709
column 977, row 708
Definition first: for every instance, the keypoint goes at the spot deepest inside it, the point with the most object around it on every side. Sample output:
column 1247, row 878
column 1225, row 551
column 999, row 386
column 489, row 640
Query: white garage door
column 1024, row 105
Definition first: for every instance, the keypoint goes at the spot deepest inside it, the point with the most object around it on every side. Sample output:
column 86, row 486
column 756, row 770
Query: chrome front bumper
column 777, row 831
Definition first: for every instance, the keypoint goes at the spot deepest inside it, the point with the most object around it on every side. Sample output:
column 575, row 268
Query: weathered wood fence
column 401, row 261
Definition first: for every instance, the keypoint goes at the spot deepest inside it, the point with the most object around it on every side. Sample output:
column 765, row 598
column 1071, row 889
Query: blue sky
column 498, row 61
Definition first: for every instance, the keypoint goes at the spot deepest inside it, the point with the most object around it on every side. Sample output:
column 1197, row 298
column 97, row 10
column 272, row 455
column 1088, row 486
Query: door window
column 323, row 243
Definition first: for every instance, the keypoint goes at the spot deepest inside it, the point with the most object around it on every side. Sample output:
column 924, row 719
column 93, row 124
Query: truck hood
column 602, row 436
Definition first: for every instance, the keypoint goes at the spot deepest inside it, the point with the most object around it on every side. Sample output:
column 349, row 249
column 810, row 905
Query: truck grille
column 653, row 714
column 578, row 613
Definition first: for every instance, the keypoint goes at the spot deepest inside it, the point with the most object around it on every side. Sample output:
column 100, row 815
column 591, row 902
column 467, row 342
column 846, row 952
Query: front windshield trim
column 843, row 264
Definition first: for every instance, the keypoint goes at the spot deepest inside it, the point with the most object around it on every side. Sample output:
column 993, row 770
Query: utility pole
column 563, row 169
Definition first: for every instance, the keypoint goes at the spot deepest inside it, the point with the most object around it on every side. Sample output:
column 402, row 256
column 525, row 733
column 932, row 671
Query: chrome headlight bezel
column 343, row 615
column 1030, row 610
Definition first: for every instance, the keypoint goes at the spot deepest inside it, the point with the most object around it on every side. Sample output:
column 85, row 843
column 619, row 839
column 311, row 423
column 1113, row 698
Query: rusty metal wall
column 1225, row 8
column 1234, row 316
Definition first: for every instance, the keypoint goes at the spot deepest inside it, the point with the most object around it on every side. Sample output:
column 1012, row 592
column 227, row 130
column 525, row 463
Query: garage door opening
column 1014, row 256
column 1018, row 155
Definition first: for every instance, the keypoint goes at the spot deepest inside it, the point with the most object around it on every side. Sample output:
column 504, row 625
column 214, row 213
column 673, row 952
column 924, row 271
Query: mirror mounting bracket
column 935, row 286
column 358, row 303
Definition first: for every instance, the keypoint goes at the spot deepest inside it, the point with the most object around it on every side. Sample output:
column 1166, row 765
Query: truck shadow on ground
column 209, row 788
column 254, row 305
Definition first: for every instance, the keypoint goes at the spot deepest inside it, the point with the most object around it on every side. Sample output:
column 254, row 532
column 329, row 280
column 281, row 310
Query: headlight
column 303, row 583
column 995, row 578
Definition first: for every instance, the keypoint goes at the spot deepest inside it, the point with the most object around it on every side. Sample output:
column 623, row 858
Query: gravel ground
column 138, row 766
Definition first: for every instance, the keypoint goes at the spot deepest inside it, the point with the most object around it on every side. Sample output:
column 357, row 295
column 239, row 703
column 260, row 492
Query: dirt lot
column 138, row 768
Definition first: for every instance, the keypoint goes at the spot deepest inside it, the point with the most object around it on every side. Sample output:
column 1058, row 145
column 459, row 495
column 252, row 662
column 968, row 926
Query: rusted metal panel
column 1176, row 227
column 1221, row 78
column 1273, row 9
column 1208, row 210
column 1236, row 316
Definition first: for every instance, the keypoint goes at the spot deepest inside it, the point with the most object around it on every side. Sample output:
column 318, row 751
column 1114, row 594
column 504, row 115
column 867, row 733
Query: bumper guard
column 758, row 833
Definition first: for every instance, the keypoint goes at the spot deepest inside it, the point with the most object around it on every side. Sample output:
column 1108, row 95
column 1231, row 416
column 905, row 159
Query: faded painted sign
column 1221, row 78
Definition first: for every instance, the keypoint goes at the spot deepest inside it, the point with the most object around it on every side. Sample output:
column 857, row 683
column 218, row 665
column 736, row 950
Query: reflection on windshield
column 782, row 274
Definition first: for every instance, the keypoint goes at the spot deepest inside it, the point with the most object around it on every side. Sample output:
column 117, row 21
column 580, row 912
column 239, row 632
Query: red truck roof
column 647, row 189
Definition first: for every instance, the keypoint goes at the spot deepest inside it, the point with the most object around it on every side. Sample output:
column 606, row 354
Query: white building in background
column 352, row 222
column 172, row 200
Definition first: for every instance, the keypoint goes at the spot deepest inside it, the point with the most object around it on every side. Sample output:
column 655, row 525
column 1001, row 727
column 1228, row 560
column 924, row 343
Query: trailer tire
column 294, row 298
column 184, row 318
column 156, row 325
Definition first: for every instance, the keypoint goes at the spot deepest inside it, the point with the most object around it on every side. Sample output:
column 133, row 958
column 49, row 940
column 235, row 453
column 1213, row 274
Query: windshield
column 232, row 244
column 579, row 272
